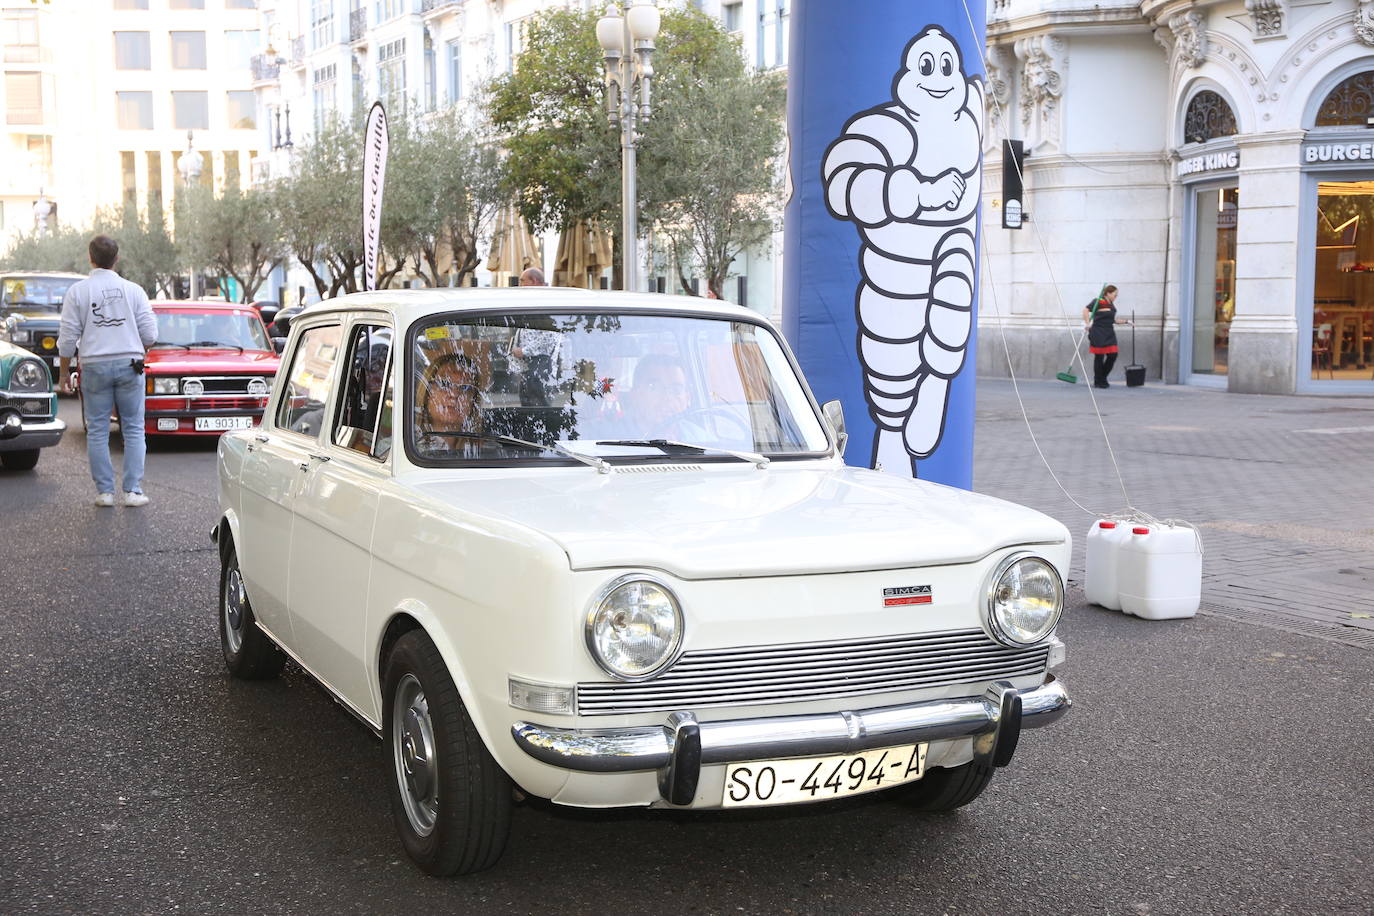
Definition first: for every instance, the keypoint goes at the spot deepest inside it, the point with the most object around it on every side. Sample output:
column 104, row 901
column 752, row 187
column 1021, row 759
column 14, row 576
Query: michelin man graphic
column 908, row 175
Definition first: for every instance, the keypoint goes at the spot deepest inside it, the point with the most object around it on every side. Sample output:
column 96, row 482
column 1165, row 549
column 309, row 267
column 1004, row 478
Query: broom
column 1067, row 375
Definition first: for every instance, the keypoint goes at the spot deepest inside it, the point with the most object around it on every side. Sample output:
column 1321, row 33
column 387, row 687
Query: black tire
column 23, row 460
column 451, row 800
column 947, row 788
column 248, row 653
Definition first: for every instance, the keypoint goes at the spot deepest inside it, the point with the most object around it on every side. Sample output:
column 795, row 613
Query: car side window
column 360, row 406
column 301, row 408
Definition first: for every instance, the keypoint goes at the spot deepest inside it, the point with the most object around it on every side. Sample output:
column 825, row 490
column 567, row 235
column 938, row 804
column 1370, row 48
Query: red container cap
column 1140, row 531
column 1106, row 524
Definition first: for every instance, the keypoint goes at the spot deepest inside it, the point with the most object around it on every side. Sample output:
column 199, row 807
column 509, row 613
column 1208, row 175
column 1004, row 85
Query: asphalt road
column 1208, row 766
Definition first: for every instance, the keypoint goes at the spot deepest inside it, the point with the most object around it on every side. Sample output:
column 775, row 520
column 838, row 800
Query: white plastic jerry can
column 1159, row 572
column 1100, row 584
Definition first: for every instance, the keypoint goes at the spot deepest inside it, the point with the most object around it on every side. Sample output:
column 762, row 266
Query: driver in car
column 658, row 399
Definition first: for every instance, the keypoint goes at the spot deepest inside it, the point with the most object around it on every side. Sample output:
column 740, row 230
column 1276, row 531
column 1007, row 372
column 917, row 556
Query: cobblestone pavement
column 1282, row 488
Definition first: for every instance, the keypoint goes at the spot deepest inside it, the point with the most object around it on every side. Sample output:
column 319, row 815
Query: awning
column 584, row 251
column 513, row 246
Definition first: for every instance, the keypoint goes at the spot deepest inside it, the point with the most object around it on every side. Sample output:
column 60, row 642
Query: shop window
column 1350, row 103
column 1214, row 281
column 1343, row 282
column 1208, row 116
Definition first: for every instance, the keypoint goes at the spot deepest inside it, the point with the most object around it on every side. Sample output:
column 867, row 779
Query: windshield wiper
column 589, row 460
column 759, row 461
column 214, row 343
column 168, row 343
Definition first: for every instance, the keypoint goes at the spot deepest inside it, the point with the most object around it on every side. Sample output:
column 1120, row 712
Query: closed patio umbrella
column 513, row 246
column 584, row 251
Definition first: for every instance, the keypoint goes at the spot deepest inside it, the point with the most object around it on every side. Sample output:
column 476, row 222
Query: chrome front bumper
column 679, row 748
column 35, row 434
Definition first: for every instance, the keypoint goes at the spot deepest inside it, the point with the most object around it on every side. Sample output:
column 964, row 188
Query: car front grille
column 223, row 403
column 801, row 672
column 226, row 384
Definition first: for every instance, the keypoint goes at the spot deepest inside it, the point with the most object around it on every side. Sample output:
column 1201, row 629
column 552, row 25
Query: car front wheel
column 451, row 800
column 22, row 460
column 947, row 788
column 248, row 653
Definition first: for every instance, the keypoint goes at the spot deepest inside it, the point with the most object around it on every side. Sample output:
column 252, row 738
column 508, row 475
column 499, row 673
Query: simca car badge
column 906, row 594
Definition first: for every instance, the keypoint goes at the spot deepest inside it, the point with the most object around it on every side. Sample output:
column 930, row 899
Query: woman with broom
column 1100, row 319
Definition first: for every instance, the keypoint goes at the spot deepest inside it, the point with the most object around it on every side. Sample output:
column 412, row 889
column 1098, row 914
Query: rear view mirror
column 834, row 415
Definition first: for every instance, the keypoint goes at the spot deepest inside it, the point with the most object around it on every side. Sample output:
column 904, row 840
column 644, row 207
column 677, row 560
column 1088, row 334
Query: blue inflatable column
column 885, row 121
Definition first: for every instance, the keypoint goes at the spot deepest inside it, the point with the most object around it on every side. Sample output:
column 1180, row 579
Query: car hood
column 211, row 361
column 33, row 316
column 734, row 520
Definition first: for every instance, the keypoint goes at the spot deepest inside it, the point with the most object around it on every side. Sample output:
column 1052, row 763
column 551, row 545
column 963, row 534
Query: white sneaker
column 105, row 500
column 132, row 498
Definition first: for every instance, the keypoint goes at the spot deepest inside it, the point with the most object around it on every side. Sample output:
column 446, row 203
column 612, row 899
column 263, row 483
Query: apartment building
column 322, row 57
column 100, row 97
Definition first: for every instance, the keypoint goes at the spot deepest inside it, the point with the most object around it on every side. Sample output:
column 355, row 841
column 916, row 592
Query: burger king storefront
column 1276, row 288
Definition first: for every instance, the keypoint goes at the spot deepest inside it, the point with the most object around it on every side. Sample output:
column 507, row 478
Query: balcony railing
column 357, row 25
column 429, row 6
column 264, row 68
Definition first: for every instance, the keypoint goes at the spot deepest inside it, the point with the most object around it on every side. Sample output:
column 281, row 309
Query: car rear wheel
column 451, row 800
column 947, row 788
column 248, row 653
column 22, row 460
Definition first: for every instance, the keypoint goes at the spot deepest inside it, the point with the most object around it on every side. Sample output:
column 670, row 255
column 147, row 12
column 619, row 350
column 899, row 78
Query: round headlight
column 1025, row 599
column 634, row 627
column 193, row 387
column 29, row 376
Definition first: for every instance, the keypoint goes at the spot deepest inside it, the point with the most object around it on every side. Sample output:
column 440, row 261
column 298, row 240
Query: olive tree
column 707, row 170
column 235, row 234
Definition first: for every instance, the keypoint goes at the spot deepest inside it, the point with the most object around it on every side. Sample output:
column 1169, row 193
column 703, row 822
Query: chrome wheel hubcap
column 412, row 740
column 235, row 607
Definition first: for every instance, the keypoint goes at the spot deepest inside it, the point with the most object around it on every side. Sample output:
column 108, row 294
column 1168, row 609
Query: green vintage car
column 28, row 408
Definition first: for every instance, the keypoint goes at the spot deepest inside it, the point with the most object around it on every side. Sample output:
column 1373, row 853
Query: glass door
column 1214, row 279
column 1343, row 282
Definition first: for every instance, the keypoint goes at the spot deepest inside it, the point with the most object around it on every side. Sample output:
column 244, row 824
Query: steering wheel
column 709, row 419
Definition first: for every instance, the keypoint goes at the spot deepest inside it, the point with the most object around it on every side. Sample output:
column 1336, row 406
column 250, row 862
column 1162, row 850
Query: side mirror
column 279, row 344
column 834, row 415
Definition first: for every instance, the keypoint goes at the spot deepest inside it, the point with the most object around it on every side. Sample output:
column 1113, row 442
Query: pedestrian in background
column 538, row 349
column 1100, row 319
column 109, row 321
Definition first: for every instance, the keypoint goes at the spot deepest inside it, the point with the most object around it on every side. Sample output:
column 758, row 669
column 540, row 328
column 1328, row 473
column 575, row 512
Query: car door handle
column 319, row 457
column 262, row 438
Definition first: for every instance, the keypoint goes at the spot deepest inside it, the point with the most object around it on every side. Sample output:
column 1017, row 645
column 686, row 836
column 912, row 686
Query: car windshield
column 35, row 293
column 226, row 328
column 612, row 385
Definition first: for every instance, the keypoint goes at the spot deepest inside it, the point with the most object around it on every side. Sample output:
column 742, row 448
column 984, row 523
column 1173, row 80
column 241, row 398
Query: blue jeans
column 105, row 386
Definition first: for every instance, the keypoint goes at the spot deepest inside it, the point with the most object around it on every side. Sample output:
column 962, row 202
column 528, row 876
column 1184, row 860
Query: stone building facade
column 1211, row 159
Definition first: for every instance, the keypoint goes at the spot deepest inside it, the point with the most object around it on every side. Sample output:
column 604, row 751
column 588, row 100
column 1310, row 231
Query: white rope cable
column 1054, row 282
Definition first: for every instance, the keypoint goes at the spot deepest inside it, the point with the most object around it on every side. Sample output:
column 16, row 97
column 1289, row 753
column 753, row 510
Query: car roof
column 408, row 305
column 214, row 306
column 63, row 274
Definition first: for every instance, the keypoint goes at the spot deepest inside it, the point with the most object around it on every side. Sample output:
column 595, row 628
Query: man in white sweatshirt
column 110, row 321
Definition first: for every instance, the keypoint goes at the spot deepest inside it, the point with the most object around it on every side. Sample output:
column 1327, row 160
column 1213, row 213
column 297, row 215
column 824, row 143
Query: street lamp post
column 189, row 164
column 628, row 44
column 42, row 209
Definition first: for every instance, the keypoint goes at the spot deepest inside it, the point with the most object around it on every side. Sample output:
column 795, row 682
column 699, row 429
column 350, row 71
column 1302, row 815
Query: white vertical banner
column 375, row 141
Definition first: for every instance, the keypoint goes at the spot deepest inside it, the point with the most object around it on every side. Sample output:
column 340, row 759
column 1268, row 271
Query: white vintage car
column 602, row 548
